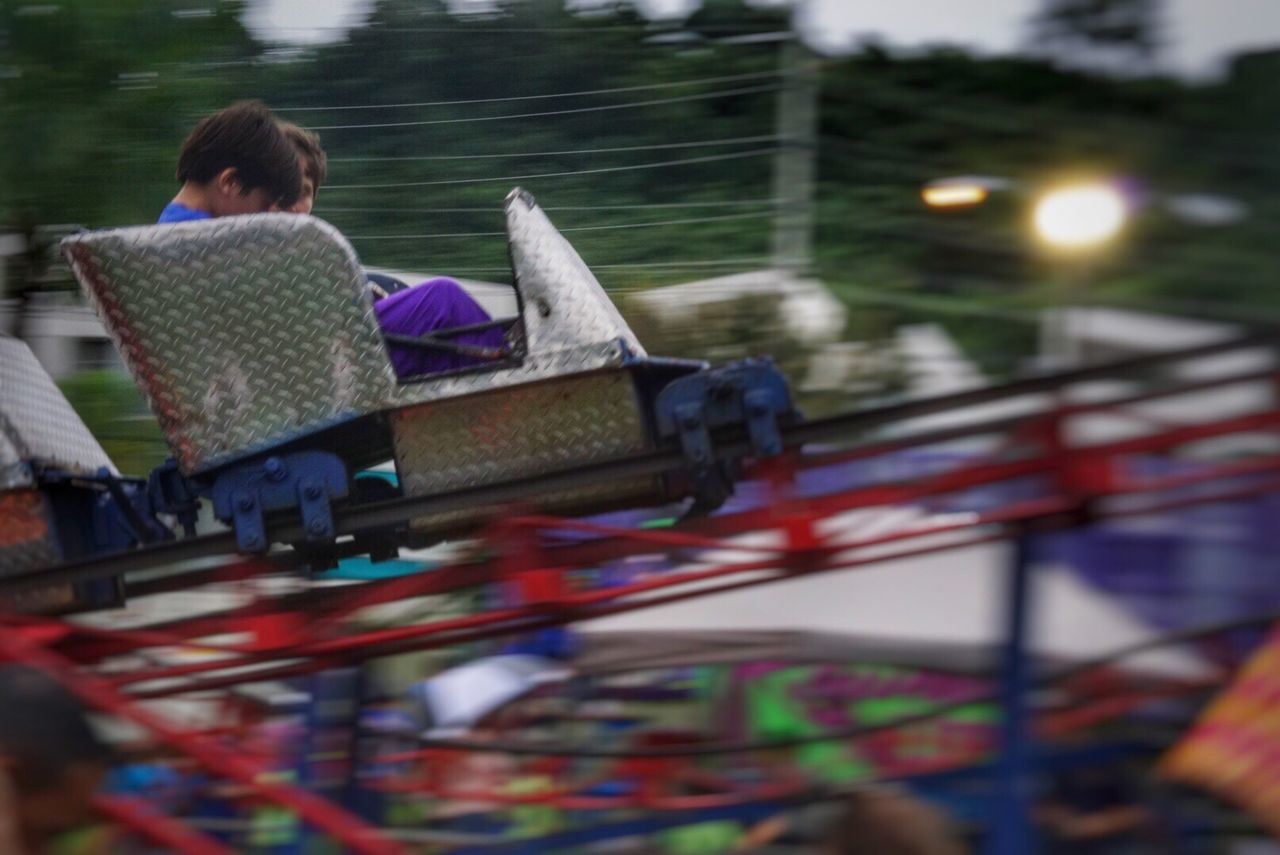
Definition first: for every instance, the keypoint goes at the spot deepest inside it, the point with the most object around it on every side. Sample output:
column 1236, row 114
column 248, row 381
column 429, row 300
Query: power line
column 585, row 28
column 638, row 166
column 657, row 147
column 497, row 209
column 655, row 265
column 703, row 81
column 629, row 105
column 755, row 215
column 722, row 204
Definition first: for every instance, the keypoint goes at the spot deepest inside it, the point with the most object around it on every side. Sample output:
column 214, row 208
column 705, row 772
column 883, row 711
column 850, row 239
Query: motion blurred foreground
column 1007, row 582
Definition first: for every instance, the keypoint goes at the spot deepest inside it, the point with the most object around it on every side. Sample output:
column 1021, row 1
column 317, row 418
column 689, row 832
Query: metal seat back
column 244, row 333
column 39, row 431
column 38, row 427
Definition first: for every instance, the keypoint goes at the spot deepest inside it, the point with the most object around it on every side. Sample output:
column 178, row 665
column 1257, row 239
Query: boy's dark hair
column 307, row 143
column 888, row 823
column 44, row 729
column 247, row 137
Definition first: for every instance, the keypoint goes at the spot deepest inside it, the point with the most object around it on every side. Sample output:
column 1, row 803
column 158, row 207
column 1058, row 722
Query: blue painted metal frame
column 751, row 392
column 174, row 494
column 654, row 822
column 303, row 481
column 1012, row 832
column 94, row 515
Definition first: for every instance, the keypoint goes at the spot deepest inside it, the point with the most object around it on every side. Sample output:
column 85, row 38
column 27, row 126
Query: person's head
column 49, row 754
column 241, row 162
column 884, row 822
column 313, row 162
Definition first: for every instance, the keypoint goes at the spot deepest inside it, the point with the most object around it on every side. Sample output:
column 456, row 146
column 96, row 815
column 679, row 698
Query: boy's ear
column 228, row 182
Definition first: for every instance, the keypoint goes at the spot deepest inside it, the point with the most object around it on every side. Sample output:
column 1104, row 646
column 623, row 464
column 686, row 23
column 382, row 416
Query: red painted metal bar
column 440, row 581
column 573, row 799
column 1099, row 710
column 425, row 637
column 362, row 653
column 401, row 587
column 1054, row 723
column 368, row 640
column 362, row 646
column 961, row 479
column 1024, row 511
column 144, row 820
column 323, row 815
column 1022, row 424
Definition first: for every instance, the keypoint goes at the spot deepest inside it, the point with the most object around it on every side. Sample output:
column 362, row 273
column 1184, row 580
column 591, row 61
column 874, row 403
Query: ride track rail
column 731, row 445
column 300, row 632
column 326, row 609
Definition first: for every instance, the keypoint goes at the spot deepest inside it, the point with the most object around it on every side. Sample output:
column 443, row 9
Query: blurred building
column 64, row 333
column 807, row 309
column 1075, row 336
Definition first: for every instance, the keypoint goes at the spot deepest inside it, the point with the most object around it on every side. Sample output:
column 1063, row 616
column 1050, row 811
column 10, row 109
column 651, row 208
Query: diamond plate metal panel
column 37, row 425
column 566, row 306
column 243, row 332
column 523, row 431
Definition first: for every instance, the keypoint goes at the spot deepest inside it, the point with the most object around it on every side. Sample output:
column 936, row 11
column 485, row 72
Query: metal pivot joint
column 171, row 493
column 306, row 482
column 751, row 394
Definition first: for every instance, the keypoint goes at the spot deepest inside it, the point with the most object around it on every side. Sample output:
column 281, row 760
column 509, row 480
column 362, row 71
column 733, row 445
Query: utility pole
column 795, row 167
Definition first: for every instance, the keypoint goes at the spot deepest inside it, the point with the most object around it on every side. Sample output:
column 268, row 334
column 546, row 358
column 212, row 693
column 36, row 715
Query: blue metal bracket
column 89, row 515
column 305, row 481
column 170, row 492
column 695, row 439
column 750, row 393
column 763, row 408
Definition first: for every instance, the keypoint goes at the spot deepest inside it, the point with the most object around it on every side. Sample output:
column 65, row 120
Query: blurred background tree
column 652, row 147
column 116, row 414
column 1127, row 34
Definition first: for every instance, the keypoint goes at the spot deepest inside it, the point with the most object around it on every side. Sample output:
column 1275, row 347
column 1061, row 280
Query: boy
column 51, row 762
column 313, row 162
column 237, row 161
column 435, row 305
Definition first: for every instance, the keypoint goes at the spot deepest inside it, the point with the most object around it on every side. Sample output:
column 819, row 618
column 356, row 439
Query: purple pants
column 437, row 304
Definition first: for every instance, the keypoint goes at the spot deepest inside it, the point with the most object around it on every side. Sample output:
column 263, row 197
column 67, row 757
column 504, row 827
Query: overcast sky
column 1201, row 32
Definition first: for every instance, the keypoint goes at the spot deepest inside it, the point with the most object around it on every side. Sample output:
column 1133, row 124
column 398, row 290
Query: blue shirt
column 176, row 212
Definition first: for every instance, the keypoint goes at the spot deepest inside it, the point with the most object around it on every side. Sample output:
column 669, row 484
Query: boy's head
column 889, row 823
column 313, row 162
column 49, row 754
column 242, row 161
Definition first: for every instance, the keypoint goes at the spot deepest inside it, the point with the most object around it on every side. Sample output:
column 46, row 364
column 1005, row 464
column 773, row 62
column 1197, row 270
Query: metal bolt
column 312, row 491
column 252, row 542
column 317, row 528
column 245, row 503
column 275, row 469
